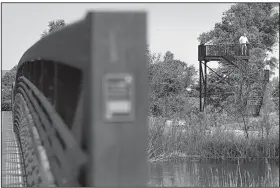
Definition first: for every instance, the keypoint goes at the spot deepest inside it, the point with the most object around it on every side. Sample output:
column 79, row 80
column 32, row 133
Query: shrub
column 6, row 106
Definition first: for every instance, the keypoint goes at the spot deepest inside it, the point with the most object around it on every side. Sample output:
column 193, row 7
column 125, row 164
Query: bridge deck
column 12, row 167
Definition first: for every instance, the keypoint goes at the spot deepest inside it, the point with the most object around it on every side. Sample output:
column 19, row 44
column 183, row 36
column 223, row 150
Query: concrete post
column 116, row 100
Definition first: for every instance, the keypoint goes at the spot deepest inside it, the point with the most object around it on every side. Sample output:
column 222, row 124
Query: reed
column 188, row 142
column 236, row 178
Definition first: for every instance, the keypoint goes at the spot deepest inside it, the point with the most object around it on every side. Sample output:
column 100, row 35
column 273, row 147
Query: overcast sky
column 171, row 26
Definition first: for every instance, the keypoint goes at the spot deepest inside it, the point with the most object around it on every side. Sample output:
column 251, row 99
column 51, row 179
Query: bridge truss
column 74, row 104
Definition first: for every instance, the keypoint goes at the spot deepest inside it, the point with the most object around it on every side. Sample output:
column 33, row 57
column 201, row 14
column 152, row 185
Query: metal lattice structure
column 13, row 172
column 230, row 55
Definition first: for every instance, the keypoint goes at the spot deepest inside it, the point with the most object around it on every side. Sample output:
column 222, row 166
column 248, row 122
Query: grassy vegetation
column 6, row 89
column 236, row 178
column 209, row 142
column 6, row 106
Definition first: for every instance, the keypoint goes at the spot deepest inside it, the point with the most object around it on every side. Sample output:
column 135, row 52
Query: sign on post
column 116, row 100
column 118, row 97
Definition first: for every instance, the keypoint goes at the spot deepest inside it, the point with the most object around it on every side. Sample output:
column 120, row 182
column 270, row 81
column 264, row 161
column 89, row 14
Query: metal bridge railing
column 64, row 154
column 50, row 80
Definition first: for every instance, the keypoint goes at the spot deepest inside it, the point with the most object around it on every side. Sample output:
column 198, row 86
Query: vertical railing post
column 205, row 80
column 205, row 92
column 201, row 52
column 116, row 103
column 200, row 86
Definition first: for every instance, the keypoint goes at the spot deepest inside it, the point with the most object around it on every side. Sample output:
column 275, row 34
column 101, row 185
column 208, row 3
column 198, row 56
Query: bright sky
column 171, row 26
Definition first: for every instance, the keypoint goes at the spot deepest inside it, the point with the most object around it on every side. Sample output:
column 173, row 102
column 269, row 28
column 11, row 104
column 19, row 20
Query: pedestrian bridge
column 74, row 120
column 80, row 106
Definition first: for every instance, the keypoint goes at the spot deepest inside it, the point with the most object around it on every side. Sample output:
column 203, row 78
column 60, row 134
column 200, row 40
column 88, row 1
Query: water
column 215, row 173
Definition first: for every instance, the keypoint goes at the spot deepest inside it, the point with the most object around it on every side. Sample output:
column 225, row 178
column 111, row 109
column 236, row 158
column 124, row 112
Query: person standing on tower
column 243, row 40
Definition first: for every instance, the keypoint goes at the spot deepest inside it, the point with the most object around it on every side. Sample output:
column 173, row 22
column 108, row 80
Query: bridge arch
column 48, row 103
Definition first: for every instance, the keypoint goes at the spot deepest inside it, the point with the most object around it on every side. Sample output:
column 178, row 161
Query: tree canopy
column 259, row 20
column 168, row 81
column 53, row 26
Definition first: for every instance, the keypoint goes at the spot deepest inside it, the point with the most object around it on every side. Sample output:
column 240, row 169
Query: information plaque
column 118, row 97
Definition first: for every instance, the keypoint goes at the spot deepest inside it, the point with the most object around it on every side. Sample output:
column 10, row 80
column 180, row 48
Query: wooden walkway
column 12, row 166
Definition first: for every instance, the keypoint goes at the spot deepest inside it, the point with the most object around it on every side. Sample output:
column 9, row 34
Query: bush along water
column 171, row 141
column 6, row 106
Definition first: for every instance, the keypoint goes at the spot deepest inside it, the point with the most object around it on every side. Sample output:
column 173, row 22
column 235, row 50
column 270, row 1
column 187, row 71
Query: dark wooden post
column 200, row 86
column 205, row 84
column 205, row 93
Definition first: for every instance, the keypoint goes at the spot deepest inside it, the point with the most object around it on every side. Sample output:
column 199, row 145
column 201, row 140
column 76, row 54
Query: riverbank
column 167, row 143
column 183, row 157
column 215, row 173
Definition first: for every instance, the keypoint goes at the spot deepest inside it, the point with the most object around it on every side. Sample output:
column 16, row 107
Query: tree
column 168, row 56
column 7, row 81
column 258, row 20
column 152, row 57
column 9, row 77
column 168, row 81
column 275, row 93
column 261, row 23
column 53, row 26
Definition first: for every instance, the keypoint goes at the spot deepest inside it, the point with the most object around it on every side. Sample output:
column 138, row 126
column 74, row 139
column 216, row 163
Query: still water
column 215, row 173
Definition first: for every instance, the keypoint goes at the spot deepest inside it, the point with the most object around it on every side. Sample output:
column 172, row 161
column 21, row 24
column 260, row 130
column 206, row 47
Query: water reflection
column 215, row 173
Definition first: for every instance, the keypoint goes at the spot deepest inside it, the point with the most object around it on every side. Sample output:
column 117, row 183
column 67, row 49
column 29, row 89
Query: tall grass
column 167, row 142
column 222, row 178
column 240, row 179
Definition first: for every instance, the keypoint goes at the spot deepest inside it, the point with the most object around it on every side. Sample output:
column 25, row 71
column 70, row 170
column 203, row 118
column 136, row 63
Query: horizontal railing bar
column 11, row 169
column 225, row 44
column 14, row 158
column 15, row 146
column 19, row 184
column 15, row 162
column 12, row 174
column 3, row 152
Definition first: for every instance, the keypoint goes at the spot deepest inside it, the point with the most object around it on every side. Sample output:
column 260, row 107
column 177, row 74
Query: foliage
column 152, row 57
column 258, row 20
column 9, row 77
column 7, row 81
column 53, row 26
column 168, row 81
column 220, row 142
column 261, row 23
column 6, row 106
column 275, row 93
column 6, row 94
